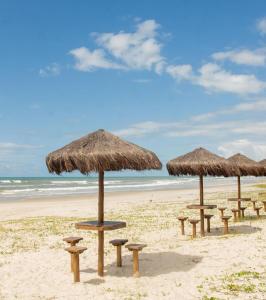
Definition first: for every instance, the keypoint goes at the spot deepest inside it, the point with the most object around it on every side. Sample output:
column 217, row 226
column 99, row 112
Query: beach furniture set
column 224, row 218
column 102, row 151
column 99, row 152
column 75, row 252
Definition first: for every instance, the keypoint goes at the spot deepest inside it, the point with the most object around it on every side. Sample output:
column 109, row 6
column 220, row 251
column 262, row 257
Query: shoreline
column 78, row 196
column 85, row 205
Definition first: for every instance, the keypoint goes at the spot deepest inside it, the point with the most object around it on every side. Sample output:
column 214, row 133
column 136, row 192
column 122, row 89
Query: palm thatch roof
column 101, row 151
column 263, row 162
column 246, row 166
column 200, row 162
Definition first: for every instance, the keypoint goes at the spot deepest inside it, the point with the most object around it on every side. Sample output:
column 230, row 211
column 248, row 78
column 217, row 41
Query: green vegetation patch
column 234, row 284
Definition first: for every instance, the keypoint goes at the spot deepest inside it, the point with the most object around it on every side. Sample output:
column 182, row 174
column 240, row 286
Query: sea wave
column 10, row 181
column 34, row 187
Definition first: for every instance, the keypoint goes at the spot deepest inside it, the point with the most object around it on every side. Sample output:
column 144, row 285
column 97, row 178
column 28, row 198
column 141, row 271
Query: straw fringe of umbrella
column 200, row 162
column 246, row 166
column 98, row 151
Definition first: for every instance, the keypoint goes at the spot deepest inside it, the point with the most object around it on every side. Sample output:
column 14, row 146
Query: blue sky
column 168, row 75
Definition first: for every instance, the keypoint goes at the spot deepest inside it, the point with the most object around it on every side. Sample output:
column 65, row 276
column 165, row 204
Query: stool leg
column 202, row 231
column 76, row 267
column 182, row 228
column 243, row 213
column 208, row 225
column 119, row 256
column 239, row 210
column 225, row 226
column 264, row 204
column 101, row 253
column 258, row 213
column 222, row 213
column 254, row 206
column 72, row 262
column 235, row 218
column 135, row 263
column 194, row 231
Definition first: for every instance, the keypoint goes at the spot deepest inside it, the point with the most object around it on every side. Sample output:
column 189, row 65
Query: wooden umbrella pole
column 101, row 220
column 238, row 187
column 239, row 195
column 202, row 231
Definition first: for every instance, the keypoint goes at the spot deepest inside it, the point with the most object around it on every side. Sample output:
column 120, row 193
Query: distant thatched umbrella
column 101, row 151
column 263, row 163
column 200, row 162
column 246, row 167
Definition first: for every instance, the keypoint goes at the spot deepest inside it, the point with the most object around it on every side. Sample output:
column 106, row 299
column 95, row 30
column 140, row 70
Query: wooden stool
column 135, row 248
column 208, row 218
column 72, row 240
column 254, row 204
column 235, row 211
column 225, row 220
column 242, row 211
column 182, row 221
column 264, row 204
column 118, row 243
column 75, row 251
column 222, row 209
column 194, row 223
column 257, row 209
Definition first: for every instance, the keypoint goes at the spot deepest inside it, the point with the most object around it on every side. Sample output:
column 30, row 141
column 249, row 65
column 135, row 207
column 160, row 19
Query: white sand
column 34, row 265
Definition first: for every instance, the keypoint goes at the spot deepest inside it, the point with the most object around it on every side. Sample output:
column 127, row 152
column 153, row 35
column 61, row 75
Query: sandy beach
column 34, row 265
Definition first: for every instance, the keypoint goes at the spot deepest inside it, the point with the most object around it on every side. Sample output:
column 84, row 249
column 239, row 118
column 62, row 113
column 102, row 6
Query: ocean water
column 30, row 187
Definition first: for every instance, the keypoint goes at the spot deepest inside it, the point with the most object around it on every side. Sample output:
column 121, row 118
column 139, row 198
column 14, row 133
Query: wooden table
column 239, row 200
column 198, row 206
column 105, row 226
column 201, row 208
column 101, row 228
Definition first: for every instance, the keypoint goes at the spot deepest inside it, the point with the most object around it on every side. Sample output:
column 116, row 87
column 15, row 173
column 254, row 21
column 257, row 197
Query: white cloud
column 144, row 128
column 8, row 147
column 261, row 26
column 51, row 70
column 243, row 57
column 197, row 126
column 141, row 80
column 259, row 105
column 180, row 72
column 215, row 79
column 252, row 149
column 137, row 50
column 254, row 106
column 141, row 50
column 87, row 60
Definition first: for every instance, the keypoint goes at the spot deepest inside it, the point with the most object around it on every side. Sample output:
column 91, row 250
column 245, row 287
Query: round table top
column 239, row 199
column 95, row 225
column 198, row 206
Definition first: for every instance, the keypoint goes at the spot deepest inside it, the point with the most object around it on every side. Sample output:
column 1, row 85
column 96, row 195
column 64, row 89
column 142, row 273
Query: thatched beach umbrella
column 200, row 162
column 263, row 163
column 98, row 152
column 245, row 167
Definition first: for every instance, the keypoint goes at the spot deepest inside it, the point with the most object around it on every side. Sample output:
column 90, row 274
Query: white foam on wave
column 10, row 181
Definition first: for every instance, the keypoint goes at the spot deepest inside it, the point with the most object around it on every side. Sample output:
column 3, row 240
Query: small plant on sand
column 235, row 284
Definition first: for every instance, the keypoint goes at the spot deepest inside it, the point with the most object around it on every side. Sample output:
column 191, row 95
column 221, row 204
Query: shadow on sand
column 234, row 229
column 151, row 264
column 154, row 264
